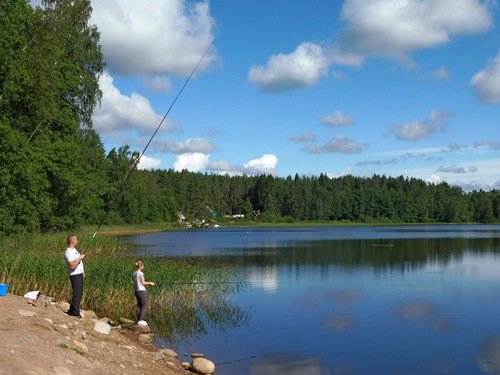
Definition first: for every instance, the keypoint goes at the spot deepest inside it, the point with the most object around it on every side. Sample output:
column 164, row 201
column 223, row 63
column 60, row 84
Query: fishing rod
column 134, row 161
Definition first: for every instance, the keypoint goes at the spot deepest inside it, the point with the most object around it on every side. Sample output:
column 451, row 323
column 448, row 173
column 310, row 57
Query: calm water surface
column 351, row 300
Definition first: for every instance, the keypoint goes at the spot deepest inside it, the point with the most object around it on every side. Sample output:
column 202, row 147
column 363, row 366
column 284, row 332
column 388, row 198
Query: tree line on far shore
column 55, row 173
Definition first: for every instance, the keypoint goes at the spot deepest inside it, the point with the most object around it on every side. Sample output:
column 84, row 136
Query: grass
column 188, row 297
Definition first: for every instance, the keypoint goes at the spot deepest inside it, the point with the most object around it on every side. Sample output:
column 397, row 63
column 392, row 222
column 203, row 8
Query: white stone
column 203, row 366
column 102, row 327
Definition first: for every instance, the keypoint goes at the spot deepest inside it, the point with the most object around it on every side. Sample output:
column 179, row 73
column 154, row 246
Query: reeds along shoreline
column 188, row 296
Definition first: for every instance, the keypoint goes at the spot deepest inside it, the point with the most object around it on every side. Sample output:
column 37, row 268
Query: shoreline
column 39, row 338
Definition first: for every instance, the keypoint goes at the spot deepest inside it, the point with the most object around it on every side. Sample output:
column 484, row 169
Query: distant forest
column 56, row 175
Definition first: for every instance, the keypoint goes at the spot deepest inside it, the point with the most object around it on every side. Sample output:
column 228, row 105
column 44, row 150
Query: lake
column 350, row 300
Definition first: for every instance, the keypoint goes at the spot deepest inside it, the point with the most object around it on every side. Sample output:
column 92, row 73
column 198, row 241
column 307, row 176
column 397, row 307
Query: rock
column 126, row 321
column 158, row 356
column 102, row 327
column 169, row 353
column 45, row 299
column 27, row 313
column 203, row 366
column 186, row 365
column 63, row 306
column 143, row 329
column 88, row 314
column 146, row 338
column 197, row 355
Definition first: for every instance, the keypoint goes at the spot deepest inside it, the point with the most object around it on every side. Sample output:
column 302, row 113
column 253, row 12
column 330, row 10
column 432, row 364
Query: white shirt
column 71, row 255
column 137, row 281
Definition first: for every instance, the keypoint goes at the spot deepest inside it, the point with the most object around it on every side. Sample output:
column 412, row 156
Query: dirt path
column 38, row 338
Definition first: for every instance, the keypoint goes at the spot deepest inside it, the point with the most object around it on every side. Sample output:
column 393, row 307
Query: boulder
column 203, row 366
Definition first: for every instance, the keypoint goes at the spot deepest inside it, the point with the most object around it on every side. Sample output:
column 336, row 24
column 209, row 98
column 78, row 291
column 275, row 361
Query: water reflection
column 426, row 312
column 426, row 302
column 279, row 364
column 263, row 277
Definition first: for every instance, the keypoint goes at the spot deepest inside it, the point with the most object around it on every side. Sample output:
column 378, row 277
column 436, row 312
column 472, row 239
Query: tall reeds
column 189, row 297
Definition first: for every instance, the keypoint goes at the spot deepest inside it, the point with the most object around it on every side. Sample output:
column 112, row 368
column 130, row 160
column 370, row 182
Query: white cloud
column 160, row 37
column 339, row 144
column 199, row 162
column 337, row 119
column 422, row 129
column 148, row 163
column 303, row 67
column 193, row 162
column 190, row 146
column 265, row 164
column 118, row 112
column 487, row 81
column 395, row 28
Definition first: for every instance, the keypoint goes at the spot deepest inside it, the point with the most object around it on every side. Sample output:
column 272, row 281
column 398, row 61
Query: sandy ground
column 38, row 338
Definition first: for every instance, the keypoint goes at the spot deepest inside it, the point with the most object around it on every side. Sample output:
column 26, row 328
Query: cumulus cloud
column 118, row 112
column 339, row 144
column 182, row 31
column 487, row 81
column 306, row 137
column 301, row 68
column 193, row 162
column 395, row 28
column 190, row 146
column 337, row 119
column 266, row 164
column 200, row 162
column 422, row 129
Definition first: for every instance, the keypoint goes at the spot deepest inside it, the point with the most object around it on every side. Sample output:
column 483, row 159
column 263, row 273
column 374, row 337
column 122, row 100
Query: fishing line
column 134, row 161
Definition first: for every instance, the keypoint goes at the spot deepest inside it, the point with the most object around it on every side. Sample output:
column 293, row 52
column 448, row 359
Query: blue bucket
column 3, row 289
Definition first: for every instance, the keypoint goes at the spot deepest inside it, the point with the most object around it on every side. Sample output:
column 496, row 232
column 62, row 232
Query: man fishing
column 76, row 273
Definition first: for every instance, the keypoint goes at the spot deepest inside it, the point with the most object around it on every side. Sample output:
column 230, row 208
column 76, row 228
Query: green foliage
column 54, row 173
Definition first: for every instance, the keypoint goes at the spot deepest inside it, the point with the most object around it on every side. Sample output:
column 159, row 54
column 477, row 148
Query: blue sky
column 360, row 87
